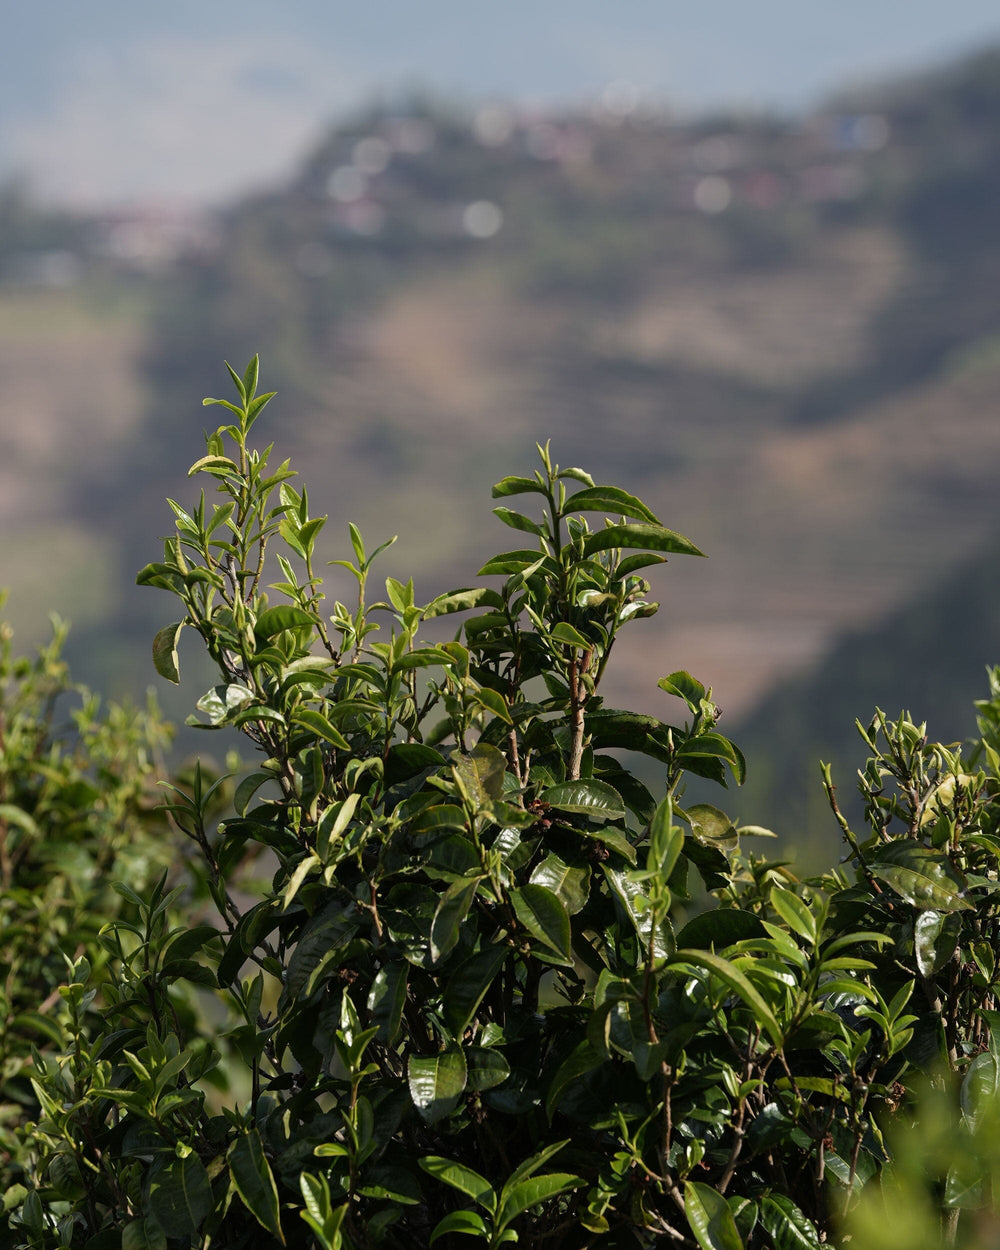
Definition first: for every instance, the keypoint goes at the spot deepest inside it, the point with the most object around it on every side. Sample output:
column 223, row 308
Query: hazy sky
column 104, row 100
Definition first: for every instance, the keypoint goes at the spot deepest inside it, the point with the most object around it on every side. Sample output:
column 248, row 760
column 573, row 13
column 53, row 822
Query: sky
column 196, row 101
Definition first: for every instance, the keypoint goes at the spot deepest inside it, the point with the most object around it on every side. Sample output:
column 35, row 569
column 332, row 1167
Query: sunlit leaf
column 437, row 1082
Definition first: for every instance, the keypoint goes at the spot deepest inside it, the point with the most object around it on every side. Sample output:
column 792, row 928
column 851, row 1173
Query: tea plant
column 77, row 812
column 444, row 952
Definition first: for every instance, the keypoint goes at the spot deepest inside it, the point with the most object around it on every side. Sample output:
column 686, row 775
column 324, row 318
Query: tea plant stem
column 576, row 723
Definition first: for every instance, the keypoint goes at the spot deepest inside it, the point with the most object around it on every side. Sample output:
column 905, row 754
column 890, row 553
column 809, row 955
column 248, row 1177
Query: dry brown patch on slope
column 445, row 343
column 778, row 328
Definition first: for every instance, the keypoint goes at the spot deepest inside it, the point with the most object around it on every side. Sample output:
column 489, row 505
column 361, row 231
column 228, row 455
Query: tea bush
column 443, row 992
column 77, row 812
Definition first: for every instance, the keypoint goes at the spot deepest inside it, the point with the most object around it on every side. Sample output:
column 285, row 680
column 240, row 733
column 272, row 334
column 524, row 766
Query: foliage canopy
column 438, row 973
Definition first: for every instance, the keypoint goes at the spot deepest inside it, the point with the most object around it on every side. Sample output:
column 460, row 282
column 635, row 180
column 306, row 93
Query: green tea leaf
column 788, row 1228
column 180, row 1196
column 570, row 883
column 493, row 702
column 565, row 633
column 710, row 1218
column 450, row 915
column 317, row 723
column 517, row 486
column 545, row 918
column 925, row 878
column 710, row 825
column 533, row 1191
column 609, row 499
column 645, row 537
column 165, row 659
column 468, row 985
column 253, row 1180
column 516, row 562
column 387, row 998
column 469, row 1223
column 586, row 798
column 685, row 687
column 462, row 601
column 794, row 912
column 518, row 521
column 437, row 1082
column 487, row 1067
column 720, row 928
column 736, row 981
column 273, row 621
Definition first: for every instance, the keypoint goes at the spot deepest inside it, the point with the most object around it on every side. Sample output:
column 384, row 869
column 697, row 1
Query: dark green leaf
column 469, row 983
column 254, row 1182
column 450, row 915
column 441, row 816
column 565, row 633
column 713, row 746
column 613, row 839
column 719, row 928
column 545, row 918
column 247, row 788
column 788, row 1228
column 627, row 729
column 516, row 562
column 469, row 1223
column 981, row 1087
column 493, row 702
column 532, row 1191
column 581, row 1060
column 406, row 759
column 736, row 981
column 180, row 1196
column 387, row 998
column 632, row 897
column 259, row 712
column 462, row 601
column 137, row 1235
column 933, row 942
column 570, row 883
column 487, row 1067
column 587, row 798
column 712, row 826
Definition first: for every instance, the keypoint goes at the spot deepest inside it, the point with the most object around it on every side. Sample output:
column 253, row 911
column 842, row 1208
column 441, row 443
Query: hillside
column 785, row 335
